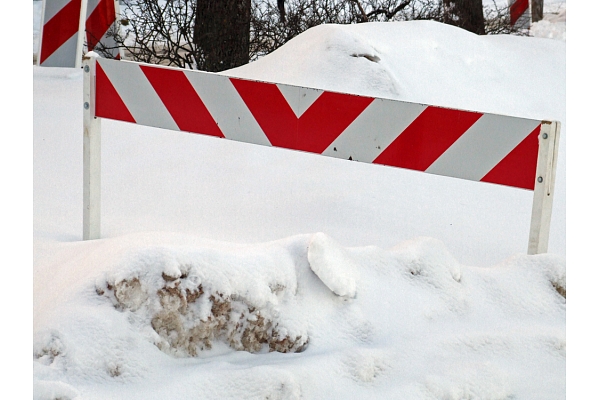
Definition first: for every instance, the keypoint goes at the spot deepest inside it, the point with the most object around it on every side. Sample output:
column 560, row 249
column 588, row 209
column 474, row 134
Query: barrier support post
column 543, row 193
column 91, row 152
column 81, row 33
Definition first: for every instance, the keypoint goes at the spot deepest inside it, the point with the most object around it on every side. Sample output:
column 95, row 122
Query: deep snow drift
column 160, row 316
column 347, row 280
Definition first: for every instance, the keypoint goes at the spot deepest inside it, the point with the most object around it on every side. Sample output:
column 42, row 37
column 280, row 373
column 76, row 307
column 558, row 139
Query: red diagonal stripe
column 60, row 28
column 182, row 101
column 517, row 9
column 271, row 111
column 315, row 130
column 518, row 168
column 327, row 118
column 427, row 138
column 108, row 101
column 99, row 22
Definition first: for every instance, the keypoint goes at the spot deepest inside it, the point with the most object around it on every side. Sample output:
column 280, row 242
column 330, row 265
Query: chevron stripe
column 326, row 118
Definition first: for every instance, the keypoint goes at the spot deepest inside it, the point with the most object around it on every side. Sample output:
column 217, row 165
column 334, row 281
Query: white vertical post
column 91, row 151
column 39, row 49
column 543, row 194
column 81, row 34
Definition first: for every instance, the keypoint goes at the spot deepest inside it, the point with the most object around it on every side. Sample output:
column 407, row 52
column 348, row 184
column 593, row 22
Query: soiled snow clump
column 194, row 298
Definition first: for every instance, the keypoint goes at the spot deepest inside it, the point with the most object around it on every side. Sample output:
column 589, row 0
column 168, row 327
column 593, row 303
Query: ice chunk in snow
column 332, row 264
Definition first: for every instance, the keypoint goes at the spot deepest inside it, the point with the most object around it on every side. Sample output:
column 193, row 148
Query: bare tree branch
column 165, row 31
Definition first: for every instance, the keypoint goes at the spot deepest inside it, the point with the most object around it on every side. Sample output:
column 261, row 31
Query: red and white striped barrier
column 463, row 144
column 61, row 34
column 64, row 23
column 520, row 14
column 101, row 17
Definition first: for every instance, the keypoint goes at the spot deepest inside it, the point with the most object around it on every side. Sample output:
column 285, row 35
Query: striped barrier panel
column 61, row 34
column 462, row 144
column 101, row 19
column 520, row 15
column 64, row 23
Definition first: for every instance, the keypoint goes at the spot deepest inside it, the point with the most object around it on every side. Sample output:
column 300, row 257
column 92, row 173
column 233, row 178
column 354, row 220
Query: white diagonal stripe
column 307, row 98
column 374, row 130
column 227, row 107
column 52, row 7
column 138, row 94
column 65, row 56
column 91, row 5
column 482, row 147
column 299, row 98
column 108, row 41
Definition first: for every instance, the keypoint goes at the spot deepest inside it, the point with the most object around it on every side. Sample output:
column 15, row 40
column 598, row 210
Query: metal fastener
column 86, row 68
column 86, row 105
column 540, row 179
column 545, row 136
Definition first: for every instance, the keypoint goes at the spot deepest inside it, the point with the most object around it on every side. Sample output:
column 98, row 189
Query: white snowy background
column 443, row 302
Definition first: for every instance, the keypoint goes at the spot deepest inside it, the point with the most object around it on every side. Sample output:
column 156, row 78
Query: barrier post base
column 91, row 152
column 543, row 192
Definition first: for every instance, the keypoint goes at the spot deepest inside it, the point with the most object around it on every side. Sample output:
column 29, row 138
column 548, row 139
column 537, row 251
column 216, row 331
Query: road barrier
column 520, row 14
column 100, row 21
column 64, row 23
column 477, row 146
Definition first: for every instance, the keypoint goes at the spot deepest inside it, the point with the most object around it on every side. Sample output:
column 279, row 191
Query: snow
column 419, row 326
column 554, row 24
column 366, row 281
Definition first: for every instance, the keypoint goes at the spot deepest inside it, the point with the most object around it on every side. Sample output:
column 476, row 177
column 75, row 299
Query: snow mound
column 429, row 259
column 53, row 390
column 553, row 26
column 131, row 309
column 424, row 62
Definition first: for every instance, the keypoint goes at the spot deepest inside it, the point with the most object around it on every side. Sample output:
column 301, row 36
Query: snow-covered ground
column 368, row 282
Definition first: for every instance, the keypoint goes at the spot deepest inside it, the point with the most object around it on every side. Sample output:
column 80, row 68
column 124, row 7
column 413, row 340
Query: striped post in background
column 462, row 144
column 64, row 22
column 101, row 21
column 520, row 14
column 61, row 35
